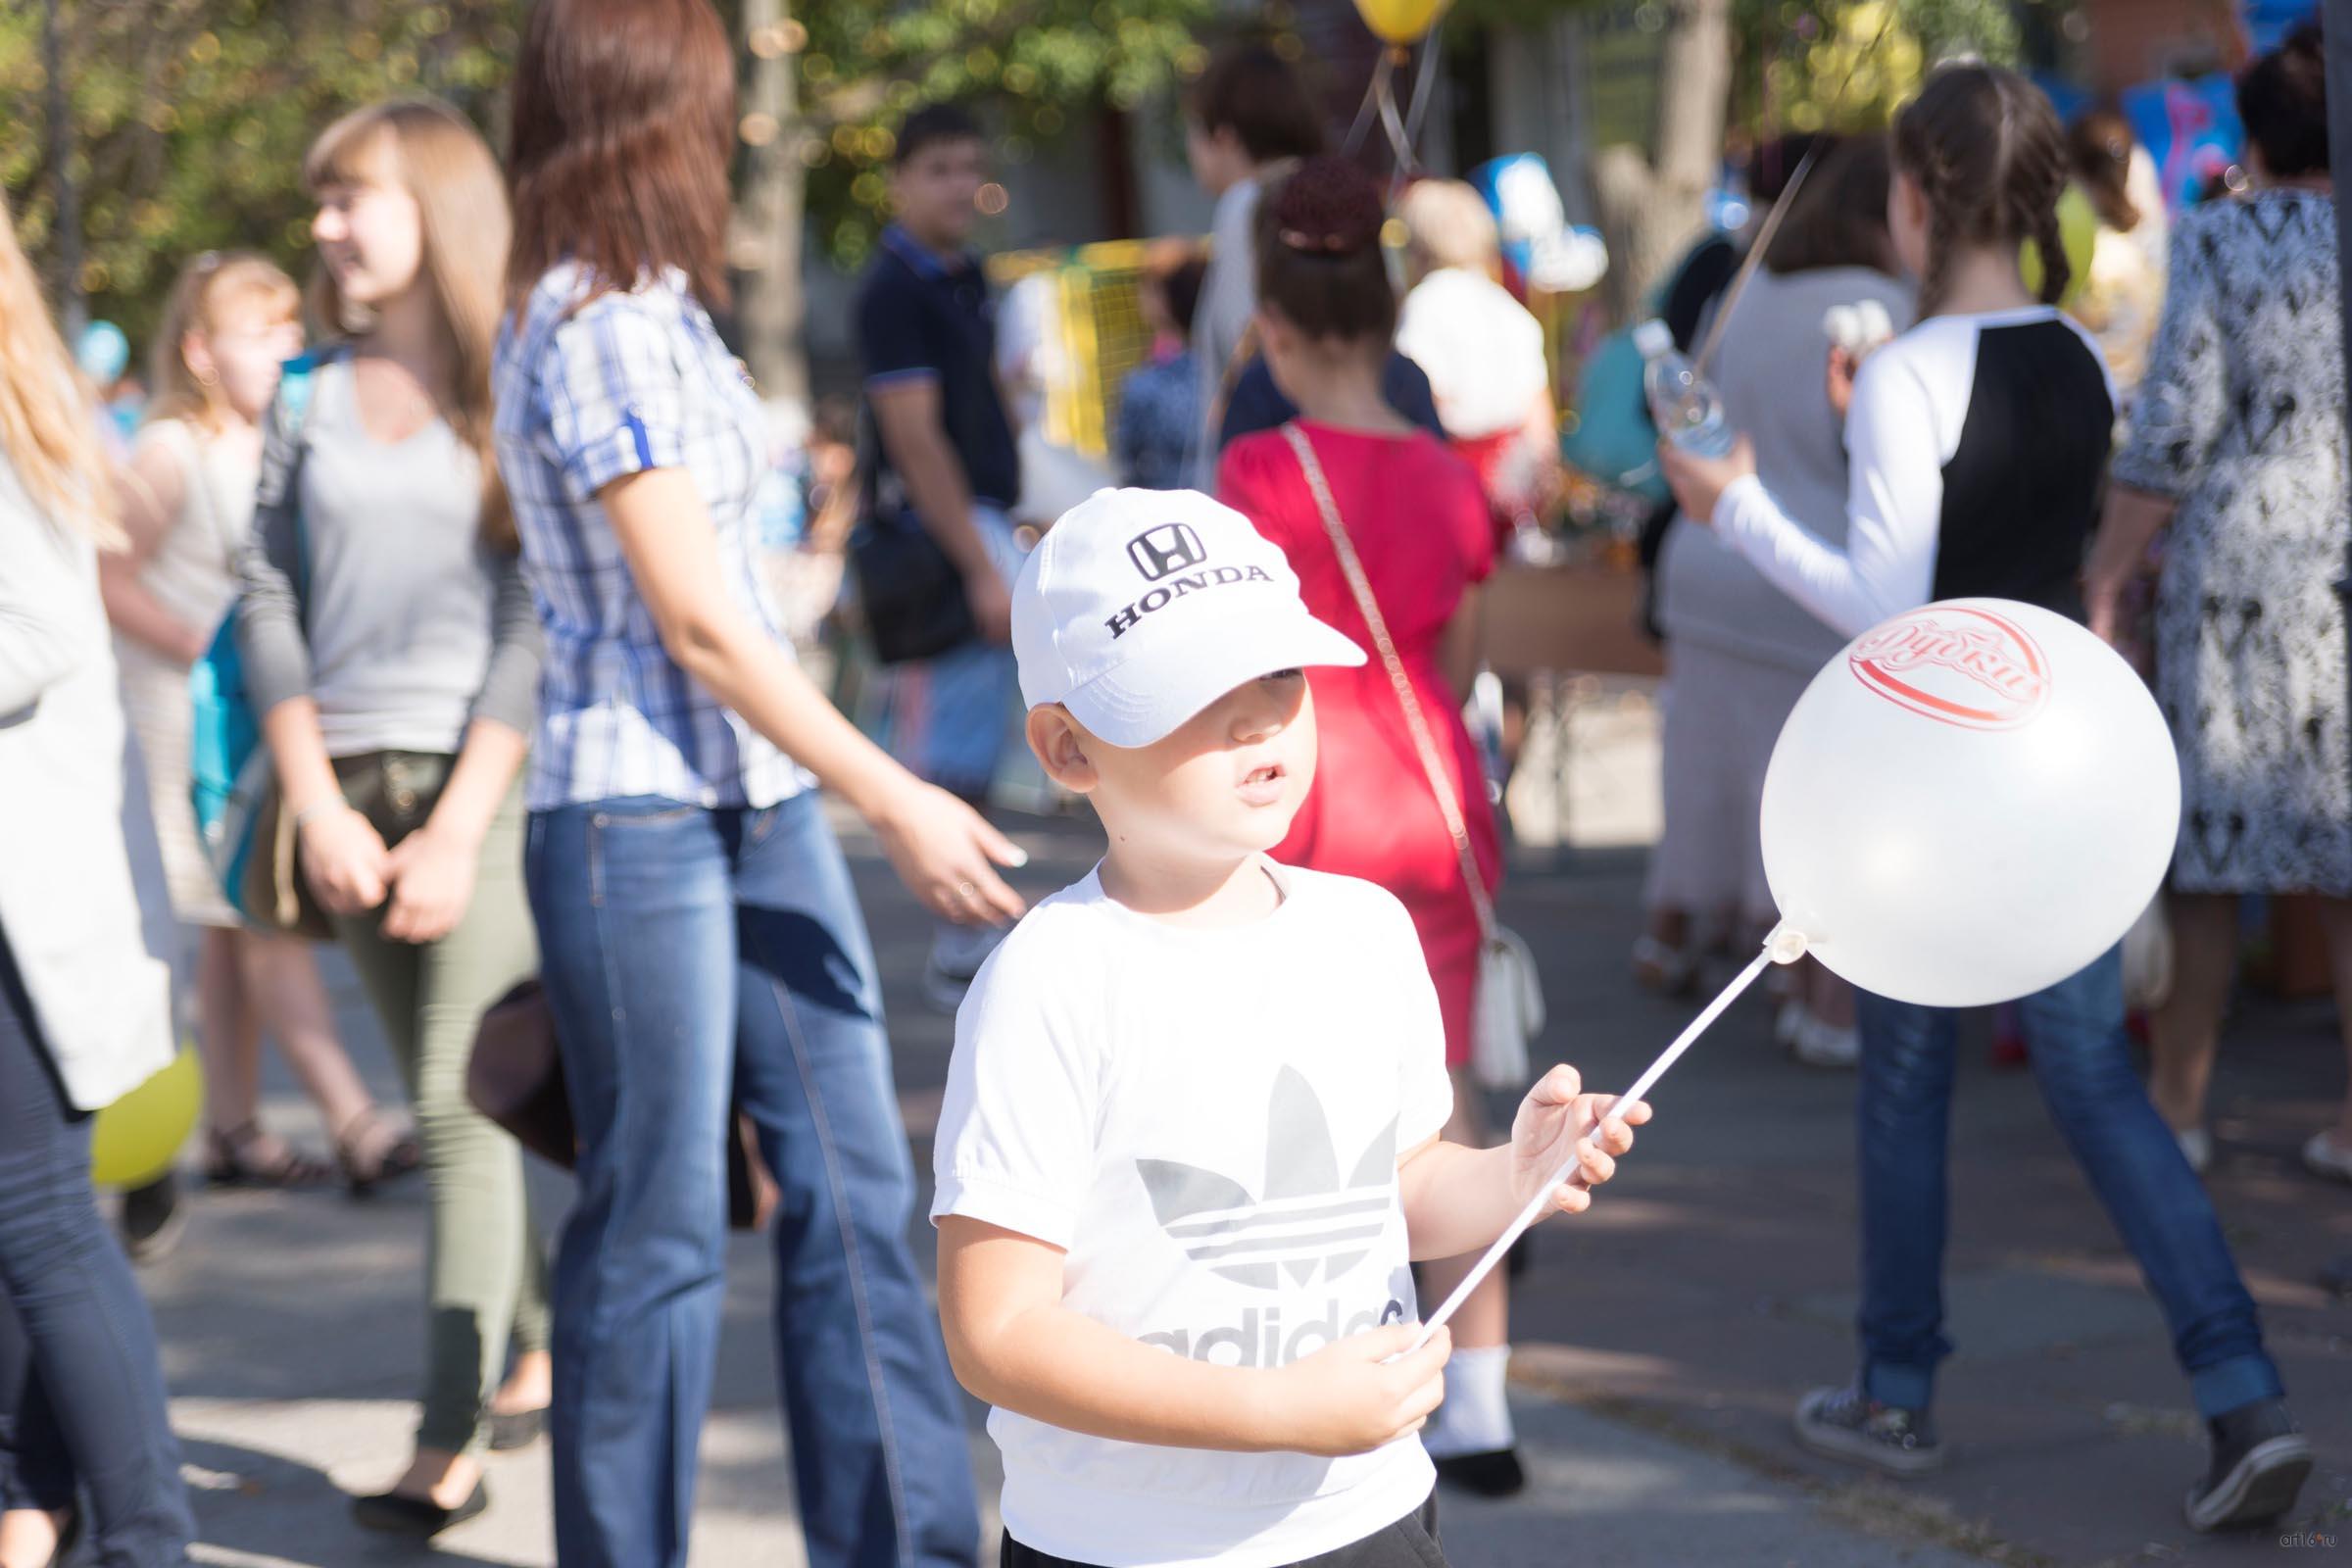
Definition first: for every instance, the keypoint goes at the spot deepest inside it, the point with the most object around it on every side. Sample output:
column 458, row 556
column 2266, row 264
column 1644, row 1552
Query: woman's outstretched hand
column 947, row 854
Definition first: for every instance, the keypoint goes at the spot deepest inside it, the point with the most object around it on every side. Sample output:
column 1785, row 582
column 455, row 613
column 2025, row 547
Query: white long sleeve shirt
column 1975, row 448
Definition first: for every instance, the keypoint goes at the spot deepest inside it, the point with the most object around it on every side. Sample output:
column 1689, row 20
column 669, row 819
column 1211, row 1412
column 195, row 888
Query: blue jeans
column 81, row 1385
column 688, row 954
column 2075, row 1034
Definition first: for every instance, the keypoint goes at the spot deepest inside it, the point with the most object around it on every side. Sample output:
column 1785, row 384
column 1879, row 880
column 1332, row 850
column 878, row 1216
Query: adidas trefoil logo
column 1305, row 1222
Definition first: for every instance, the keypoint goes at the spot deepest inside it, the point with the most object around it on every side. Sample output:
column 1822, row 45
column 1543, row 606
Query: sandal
column 230, row 1161
column 1667, row 970
column 364, row 1173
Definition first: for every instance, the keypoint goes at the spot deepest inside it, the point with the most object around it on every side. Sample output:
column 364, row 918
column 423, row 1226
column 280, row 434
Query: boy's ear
column 1060, row 749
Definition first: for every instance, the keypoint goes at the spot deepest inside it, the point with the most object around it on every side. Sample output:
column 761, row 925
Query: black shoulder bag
column 910, row 593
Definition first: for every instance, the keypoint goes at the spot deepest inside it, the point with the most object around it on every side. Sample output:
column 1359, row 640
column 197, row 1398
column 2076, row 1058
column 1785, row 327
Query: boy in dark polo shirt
column 926, row 332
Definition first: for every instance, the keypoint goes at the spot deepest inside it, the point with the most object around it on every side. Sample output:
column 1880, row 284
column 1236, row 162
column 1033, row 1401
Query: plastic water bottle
column 1684, row 404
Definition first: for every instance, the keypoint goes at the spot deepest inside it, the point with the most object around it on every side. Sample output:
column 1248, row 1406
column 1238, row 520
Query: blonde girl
column 186, row 496
column 394, row 656
column 85, row 1002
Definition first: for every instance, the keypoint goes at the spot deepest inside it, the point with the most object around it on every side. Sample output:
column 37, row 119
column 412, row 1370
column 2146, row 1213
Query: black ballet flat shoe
column 396, row 1514
column 515, row 1429
column 1496, row 1473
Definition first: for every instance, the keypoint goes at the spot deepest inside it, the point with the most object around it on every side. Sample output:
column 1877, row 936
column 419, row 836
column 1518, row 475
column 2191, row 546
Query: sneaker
column 1848, row 1424
column 2196, row 1147
column 2260, row 1459
column 956, row 953
column 2325, row 1157
column 152, row 1220
column 1826, row 1045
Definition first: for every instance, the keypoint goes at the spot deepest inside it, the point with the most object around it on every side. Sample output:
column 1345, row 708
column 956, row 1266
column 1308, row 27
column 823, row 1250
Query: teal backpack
column 1613, row 439
column 230, row 771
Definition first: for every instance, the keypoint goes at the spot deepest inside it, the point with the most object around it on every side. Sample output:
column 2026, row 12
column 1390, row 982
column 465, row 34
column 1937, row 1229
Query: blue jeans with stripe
column 81, row 1383
column 2075, row 1035
column 690, row 954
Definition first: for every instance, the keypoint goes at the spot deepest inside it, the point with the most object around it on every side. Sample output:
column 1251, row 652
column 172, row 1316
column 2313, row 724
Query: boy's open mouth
column 1262, row 786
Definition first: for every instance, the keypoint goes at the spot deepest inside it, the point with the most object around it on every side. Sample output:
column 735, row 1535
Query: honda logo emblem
column 1166, row 548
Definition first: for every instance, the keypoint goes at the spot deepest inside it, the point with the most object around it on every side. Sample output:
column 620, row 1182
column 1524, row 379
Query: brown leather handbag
column 515, row 1078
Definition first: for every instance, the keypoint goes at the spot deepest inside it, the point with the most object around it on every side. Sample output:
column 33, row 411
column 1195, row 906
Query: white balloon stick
column 1783, row 946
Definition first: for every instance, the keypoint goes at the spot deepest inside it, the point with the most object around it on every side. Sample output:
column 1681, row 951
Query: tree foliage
column 1038, row 64
column 190, row 116
column 1792, row 58
column 1847, row 65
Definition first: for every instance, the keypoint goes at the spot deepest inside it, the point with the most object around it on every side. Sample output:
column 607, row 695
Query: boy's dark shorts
column 1410, row 1543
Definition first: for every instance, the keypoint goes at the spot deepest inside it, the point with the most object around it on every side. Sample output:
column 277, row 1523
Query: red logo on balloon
column 1956, row 665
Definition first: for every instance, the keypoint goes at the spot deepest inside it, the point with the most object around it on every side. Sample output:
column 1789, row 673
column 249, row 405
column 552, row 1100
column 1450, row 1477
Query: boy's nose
column 1259, row 715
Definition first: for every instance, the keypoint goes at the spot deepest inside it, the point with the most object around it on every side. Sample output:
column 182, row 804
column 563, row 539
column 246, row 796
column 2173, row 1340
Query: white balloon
column 1970, row 803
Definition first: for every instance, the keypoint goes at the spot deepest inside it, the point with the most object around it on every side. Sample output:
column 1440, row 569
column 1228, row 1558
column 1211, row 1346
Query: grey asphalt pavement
column 1661, row 1341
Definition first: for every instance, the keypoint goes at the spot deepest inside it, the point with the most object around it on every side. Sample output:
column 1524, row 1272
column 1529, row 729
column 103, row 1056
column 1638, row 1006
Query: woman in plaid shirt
column 702, row 941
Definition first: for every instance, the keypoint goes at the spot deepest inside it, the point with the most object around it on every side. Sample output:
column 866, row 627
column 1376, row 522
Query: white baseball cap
column 1140, row 608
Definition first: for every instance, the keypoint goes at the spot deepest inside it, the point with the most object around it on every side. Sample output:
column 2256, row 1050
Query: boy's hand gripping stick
column 1786, row 945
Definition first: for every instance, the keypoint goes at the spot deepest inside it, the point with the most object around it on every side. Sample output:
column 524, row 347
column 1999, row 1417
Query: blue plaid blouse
column 625, row 383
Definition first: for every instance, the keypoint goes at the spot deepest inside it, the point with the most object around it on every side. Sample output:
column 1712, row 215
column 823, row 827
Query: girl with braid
column 1977, row 443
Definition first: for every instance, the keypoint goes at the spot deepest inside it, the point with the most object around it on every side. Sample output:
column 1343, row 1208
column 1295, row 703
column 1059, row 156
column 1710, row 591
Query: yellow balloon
column 1398, row 20
column 134, row 1139
column 2078, row 234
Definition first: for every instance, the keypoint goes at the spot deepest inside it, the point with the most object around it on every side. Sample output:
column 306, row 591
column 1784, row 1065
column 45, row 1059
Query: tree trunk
column 772, row 305
column 64, row 194
column 1649, row 212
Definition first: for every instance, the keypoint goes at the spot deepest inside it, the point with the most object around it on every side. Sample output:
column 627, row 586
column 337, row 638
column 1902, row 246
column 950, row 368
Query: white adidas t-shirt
column 1207, row 1122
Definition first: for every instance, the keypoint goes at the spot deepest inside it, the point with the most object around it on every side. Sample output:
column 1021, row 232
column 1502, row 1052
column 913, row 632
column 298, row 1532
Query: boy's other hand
column 1348, row 1397
column 1543, row 1139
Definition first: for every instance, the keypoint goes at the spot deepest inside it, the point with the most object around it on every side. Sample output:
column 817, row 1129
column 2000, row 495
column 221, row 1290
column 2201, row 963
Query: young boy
column 1190, row 1137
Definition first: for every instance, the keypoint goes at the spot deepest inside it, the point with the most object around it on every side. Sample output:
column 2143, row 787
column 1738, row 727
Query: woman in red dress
column 1421, row 526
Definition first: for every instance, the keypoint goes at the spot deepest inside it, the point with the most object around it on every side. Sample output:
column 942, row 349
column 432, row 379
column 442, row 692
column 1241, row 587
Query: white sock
column 1476, row 1417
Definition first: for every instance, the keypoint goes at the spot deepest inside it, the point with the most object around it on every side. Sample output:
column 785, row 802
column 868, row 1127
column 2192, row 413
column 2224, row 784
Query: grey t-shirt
column 1772, row 369
column 368, row 587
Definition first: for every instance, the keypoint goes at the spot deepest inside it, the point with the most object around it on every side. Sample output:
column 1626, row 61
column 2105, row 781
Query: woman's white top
column 100, row 994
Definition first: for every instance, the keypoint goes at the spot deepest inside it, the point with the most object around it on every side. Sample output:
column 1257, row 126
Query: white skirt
column 1724, row 713
column 156, row 702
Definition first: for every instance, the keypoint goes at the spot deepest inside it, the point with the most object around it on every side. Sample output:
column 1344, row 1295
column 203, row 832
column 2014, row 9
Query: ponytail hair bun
column 1328, row 207
column 2283, row 101
column 1320, row 266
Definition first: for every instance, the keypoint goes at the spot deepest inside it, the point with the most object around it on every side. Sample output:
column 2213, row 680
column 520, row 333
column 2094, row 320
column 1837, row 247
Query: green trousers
column 485, row 1265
